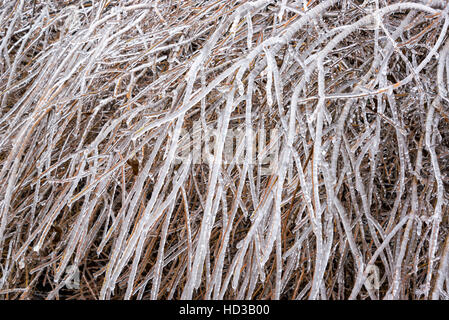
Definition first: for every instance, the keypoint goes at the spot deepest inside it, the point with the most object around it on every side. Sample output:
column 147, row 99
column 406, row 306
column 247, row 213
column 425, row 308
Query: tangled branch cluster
column 97, row 98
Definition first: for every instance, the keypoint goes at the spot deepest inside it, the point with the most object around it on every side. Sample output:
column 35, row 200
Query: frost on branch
column 244, row 149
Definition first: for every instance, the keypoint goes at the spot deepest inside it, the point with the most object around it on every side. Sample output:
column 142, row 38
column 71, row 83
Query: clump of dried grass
column 98, row 97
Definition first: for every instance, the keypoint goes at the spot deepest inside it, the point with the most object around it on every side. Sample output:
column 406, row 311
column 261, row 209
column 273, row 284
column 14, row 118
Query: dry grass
column 98, row 176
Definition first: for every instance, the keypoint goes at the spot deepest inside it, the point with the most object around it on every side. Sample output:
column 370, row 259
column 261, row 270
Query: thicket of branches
column 96, row 99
